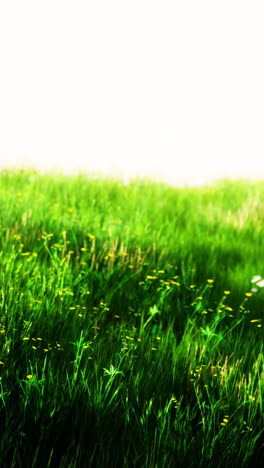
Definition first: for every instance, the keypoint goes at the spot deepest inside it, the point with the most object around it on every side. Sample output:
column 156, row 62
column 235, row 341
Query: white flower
column 255, row 279
column 260, row 284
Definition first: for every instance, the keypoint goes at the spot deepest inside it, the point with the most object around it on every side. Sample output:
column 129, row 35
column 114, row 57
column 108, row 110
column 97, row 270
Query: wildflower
column 260, row 284
column 225, row 420
column 255, row 279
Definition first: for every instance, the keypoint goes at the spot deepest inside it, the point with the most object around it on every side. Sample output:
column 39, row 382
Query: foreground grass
column 130, row 330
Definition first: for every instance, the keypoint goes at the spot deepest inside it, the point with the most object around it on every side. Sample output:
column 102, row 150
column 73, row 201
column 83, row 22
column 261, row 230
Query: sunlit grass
column 131, row 324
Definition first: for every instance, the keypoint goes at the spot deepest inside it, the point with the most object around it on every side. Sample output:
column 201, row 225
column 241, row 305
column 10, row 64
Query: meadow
column 131, row 323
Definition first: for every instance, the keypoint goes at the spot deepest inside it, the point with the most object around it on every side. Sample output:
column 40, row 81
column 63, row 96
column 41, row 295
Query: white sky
column 167, row 88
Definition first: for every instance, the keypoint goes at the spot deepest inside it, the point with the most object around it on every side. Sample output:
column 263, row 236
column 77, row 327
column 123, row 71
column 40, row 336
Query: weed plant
column 131, row 323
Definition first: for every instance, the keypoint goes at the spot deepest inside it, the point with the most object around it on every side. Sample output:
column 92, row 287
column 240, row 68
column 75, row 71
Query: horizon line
column 118, row 177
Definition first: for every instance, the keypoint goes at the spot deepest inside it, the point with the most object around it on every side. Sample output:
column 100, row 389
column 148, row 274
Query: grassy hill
column 131, row 323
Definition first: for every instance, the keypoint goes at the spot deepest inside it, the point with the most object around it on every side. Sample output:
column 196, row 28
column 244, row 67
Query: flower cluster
column 258, row 281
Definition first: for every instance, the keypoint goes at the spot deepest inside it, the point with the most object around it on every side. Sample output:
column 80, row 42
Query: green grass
column 129, row 334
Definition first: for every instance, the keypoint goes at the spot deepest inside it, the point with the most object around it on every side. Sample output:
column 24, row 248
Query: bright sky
column 172, row 89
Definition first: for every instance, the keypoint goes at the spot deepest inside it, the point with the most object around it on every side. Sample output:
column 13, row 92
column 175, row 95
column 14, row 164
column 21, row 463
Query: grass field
column 131, row 323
